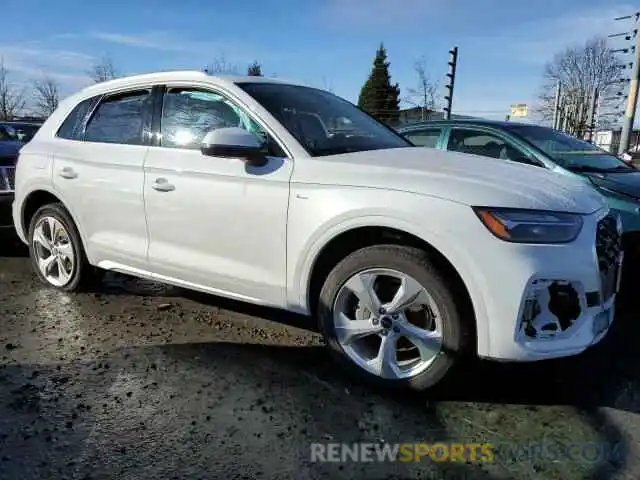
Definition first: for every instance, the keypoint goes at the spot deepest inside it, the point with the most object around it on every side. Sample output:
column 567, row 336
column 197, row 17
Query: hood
column 9, row 151
column 625, row 183
column 459, row 177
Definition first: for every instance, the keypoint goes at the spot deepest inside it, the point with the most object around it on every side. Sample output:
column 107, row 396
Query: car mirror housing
column 233, row 142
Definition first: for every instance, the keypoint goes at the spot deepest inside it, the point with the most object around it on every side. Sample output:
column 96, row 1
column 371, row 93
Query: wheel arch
column 38, row 198
column 343, row 239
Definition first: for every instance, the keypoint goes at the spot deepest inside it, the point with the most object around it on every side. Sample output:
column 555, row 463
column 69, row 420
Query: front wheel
column 390, row 316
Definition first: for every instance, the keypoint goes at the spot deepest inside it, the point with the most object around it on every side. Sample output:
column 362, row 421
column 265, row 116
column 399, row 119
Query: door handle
column 68, row 172
column 162, row 185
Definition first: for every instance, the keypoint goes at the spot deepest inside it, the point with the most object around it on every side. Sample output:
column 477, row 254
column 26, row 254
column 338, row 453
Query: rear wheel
column 389, row 316
column 56, row 250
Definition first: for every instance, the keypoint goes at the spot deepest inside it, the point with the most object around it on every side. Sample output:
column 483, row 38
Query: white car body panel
column 107, row 195
column 255, row 234
column 228, row 222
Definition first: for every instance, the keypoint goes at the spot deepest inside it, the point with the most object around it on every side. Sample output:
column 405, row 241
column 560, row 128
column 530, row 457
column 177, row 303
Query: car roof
column 176, row 76
column 481, row 122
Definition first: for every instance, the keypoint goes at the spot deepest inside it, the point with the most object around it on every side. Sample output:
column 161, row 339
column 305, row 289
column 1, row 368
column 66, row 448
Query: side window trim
column 88, row 116
column 229, row 96
column 156, row 114
column 146, row 120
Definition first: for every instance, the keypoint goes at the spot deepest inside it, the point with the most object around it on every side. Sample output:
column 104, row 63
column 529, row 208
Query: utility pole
column 632, row 101
column 632, row 97
column 451, row 74
column 556, row 107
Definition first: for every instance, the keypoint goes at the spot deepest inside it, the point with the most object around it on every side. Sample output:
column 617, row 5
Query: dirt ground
column 144, row 381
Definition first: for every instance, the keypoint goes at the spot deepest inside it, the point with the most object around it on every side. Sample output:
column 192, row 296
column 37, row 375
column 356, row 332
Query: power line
column 634, row 80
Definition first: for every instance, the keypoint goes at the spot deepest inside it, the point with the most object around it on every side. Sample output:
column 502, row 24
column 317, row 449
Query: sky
column 503, row 44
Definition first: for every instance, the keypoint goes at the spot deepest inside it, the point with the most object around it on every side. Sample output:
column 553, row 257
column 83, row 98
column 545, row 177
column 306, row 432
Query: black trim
column 89, row 115
column 252, row 155
column 593, row 299
column 609, row 245
column 157, row 93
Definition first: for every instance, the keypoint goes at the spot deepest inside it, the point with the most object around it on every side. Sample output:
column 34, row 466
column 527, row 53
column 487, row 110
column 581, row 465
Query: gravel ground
column 143, row 381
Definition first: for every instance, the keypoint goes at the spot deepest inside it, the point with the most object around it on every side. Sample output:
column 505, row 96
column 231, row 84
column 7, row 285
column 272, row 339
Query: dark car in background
column 20, row 130
column 13, row 135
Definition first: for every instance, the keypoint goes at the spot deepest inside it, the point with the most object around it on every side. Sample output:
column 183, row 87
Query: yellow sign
column 519, row 110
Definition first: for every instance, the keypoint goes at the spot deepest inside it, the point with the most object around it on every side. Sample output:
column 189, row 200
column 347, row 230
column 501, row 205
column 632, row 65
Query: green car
column 544, row 147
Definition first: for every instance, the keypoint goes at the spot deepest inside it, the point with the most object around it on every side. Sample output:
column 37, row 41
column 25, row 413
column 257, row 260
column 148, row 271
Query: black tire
column 83, row 275
column 457, row 331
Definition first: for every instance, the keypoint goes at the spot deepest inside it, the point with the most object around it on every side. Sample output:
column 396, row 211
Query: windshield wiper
column 586, row 168
column 622, row 168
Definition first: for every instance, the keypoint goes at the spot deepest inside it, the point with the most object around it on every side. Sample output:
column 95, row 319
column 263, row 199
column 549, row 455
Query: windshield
column 570, row 152
column 323, row 123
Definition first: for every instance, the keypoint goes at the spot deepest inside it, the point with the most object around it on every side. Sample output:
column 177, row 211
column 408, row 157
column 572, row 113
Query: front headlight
column 530, row 226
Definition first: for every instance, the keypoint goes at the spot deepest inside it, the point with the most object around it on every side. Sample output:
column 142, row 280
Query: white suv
column 288, row 196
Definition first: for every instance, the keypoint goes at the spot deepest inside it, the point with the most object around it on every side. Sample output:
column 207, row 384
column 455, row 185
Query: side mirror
column 233, row 142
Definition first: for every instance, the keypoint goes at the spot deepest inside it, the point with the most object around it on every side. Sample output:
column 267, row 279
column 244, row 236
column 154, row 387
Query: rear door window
column 425, row 138
column 121, row 118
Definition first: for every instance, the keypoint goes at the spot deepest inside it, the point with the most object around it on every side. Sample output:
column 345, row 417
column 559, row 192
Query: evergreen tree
column 378, row 96
column 254, row 70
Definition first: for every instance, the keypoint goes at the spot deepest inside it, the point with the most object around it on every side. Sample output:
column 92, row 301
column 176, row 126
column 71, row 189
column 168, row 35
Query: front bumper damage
column 561, row 317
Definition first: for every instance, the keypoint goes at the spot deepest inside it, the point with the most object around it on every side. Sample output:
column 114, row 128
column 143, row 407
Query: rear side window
column 424, row 138
column 479, row 142
column 120, row 119
column 71, row 128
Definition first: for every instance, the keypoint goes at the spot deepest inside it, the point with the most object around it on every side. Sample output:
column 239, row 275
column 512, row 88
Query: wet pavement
column 143, row 381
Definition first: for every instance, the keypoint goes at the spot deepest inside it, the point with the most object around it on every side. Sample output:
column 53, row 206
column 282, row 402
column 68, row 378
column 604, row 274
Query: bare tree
column 424, row 95
column 47, row 96
column 12, row 98
column 220, row 66
column 581, row 70
column 103, row 70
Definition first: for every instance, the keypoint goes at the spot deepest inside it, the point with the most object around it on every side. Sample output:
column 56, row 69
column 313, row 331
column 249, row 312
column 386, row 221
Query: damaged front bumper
column 568, row 302
column 560, row 318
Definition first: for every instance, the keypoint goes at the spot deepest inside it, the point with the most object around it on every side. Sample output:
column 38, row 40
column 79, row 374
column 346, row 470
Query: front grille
column 7, row 179
column 608, row 249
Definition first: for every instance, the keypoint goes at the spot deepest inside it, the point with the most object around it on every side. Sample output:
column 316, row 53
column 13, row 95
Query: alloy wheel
column 387, row 323
column 53, row 251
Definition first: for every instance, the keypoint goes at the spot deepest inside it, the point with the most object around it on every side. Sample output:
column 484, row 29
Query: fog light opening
column 551, row 308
